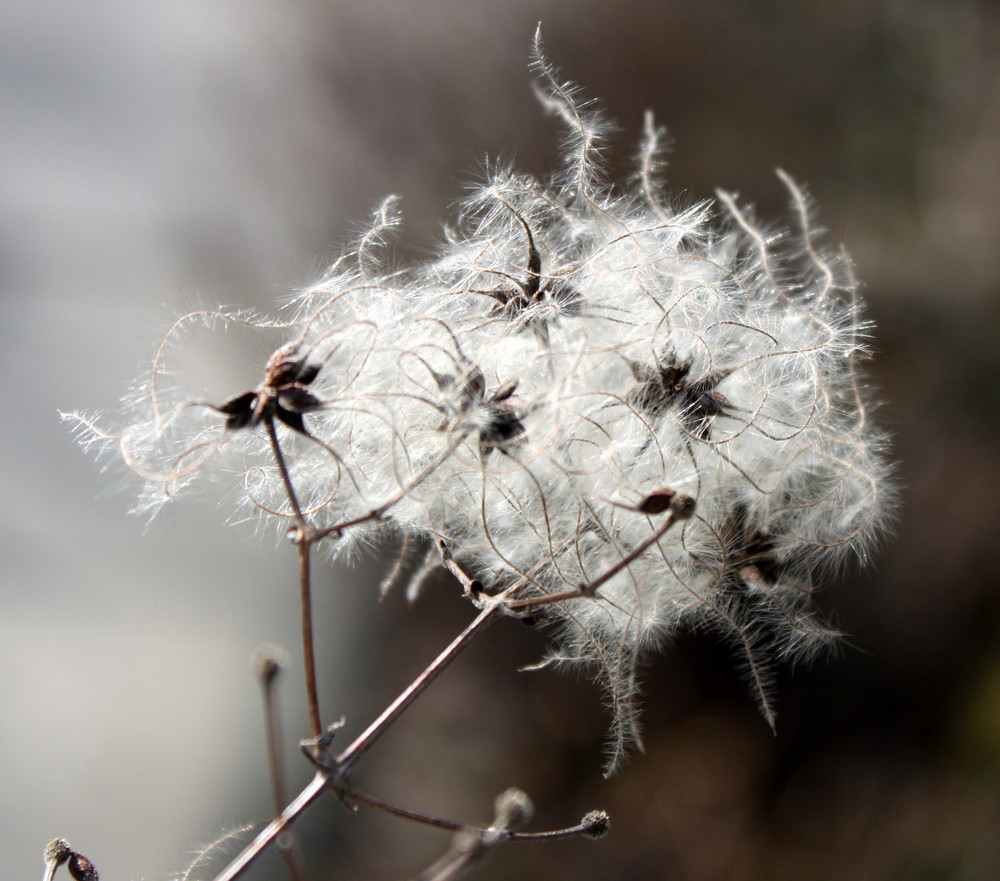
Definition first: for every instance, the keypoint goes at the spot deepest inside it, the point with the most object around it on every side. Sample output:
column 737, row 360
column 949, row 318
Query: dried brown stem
column 268, row 669
column 337, row 771
column 305, row 542
column 466, row 850
column 383, row 509
column 308, row 648
column 593, row 825
column 286, row 478
column 512, row 809
column 589, row 589
column 373, row 732
column 57, row 852
column 471, row 587
column 316, row 787
column 334, row 772
column 356, row 795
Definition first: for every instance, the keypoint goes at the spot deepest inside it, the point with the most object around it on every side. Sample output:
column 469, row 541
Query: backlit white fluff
column 574, row 349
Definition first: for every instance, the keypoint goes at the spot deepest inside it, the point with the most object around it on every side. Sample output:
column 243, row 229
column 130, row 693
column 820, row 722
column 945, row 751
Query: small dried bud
column 596, row 824
column 267, row 662
column 81, row 868
column 513, row 809
column 657, row 502
column 57, row 851
column 682, row 507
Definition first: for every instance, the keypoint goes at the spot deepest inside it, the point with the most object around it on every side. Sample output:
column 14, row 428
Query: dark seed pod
column 81, row 868
column 657, row 501
column 239, row 410
column 308, row 373
column 298, row 400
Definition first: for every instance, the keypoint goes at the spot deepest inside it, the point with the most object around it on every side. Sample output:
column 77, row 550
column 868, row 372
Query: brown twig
column 681, row 511
column 470, row 846
column 308, row 647
column 315, row 788
column 383, row 509
column 373, row 732
column 593, row 825
column 471, row 587
column 304, row 540
column 57, row 852
column 286, row 478
column 268, row 667
column 334, row 772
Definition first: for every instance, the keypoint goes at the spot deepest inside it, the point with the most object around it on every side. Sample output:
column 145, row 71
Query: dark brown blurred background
column 162, row 154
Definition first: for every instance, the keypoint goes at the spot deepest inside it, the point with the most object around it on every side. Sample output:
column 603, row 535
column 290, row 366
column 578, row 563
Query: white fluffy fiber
column 574, row 348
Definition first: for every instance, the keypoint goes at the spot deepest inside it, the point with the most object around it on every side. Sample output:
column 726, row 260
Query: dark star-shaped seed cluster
column 516, row 300
column 283, row 395
column 751, row 553
column 499, row 421
column 668, row 385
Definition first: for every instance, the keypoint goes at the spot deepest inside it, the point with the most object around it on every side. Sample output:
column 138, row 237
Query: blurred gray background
column 160, row 154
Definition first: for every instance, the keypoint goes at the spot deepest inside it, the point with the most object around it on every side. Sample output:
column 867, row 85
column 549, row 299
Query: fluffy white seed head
column 576, row 357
